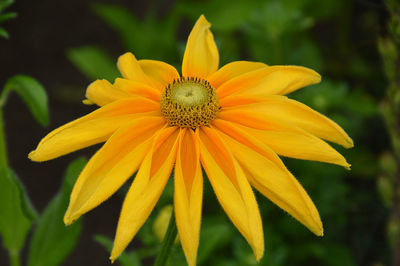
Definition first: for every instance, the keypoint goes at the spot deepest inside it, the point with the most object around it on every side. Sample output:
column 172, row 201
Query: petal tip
column 87, row 102
column 31, row 155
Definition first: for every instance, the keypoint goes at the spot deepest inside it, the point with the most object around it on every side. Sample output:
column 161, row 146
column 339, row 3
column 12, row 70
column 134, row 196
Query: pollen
column 189, row 102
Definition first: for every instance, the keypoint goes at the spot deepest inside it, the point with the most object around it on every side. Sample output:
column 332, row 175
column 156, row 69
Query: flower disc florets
column 189, row 102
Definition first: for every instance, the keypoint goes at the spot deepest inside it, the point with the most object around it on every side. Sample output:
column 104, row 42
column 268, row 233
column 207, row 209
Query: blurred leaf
column 93, row 62
column 212, row 236
column 4, row 33
column 33, row 94
column 16, row 211
column 152, row 38
column 52, row 241
column 7, row 16
column 5, row 3
column 126, row 258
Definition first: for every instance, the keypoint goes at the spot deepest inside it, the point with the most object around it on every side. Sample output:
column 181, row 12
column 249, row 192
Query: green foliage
column 126, row 258
column 131, row 29
column 52, row 241
column 33, row 94
column 93, row 62
column 16, row 212
column 5, row 16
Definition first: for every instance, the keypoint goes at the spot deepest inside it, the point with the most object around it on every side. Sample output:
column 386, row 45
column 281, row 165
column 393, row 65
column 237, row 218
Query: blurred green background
column 68, row 44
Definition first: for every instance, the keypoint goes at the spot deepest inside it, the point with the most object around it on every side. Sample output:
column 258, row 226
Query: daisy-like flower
column 233, row 122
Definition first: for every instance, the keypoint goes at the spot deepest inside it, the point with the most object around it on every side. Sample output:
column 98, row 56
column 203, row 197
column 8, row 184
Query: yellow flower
column 233, row 122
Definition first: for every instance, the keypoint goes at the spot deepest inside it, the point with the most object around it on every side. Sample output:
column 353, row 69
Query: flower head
column 233, row 122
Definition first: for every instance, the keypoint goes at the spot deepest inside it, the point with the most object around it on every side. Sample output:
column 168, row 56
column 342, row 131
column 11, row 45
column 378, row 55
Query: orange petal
column 161, row 73
column 275, row 182
column 269, row 81
column 188, row 194
column 93, row 128
column 232, row 70
column 146, row 188
column 284, row 140
column 137, row 89
column 201, row 56
column 112, row 165
column 102, row 92
column 280, row 109
column 231, row 188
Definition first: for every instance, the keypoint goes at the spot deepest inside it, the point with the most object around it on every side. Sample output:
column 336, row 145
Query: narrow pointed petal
column 188, row 194
column 275, row 182
column 112, row 165
column 146, row 188
column 161, row 73
column 201, row 56
column 93, row 128
column 130, row 68
column 137, row 89
column 286, row 111
column 284, row 140
column 102, row 92
column 231, row 188
column 233, row 70
column 269, row 81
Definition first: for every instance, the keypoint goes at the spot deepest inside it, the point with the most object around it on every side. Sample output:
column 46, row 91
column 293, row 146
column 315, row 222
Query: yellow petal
column 280, row 109
column 276, row 183
column 146, row 188
column 161, row 73
column 231, row 188
column 130, row 68
column 188, row 194
column 233, row 70
column 112, row 165
column 269, row 81
column 137, row 88
column 102, row 92
column 201, row 56
column 284, row 140
column 93, row 128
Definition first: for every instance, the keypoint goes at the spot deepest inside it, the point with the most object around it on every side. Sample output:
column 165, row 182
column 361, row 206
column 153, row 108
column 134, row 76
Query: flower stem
column 14, row 258
column 3, row 147
column 167, row 243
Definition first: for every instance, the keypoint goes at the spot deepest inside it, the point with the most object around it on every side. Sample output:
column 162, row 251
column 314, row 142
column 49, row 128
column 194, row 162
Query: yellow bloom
column 233, row 122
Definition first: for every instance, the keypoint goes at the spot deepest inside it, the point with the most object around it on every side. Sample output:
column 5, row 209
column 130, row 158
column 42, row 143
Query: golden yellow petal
column 112, row 165
column 188, row 194
column 161, row 73
column 284, row 140
column 130, row 68
column 233, row 70
column 276, row 183
column 231, row 188
column 93, row 128
column 201, row 56
column 280, row 109
column 146, row 188
column 137, row 89
column 102, row 92
column 269, row 81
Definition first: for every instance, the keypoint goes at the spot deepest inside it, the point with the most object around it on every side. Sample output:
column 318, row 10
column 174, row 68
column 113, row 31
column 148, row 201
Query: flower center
column 189, row 102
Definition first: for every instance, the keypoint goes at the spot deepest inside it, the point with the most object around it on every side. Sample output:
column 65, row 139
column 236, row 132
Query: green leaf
column 4, row 33
column 16, row 211
column 7, row 16
column 52, row 241
column 93, row 62
column 212, row 236
column 5, row 3
column 33, row 94
column 126, row 258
